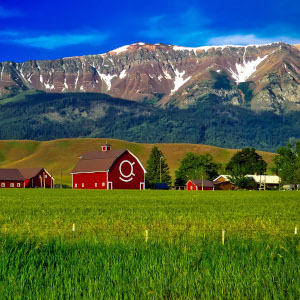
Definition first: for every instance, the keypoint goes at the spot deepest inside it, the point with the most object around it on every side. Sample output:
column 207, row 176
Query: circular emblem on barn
column 126, row 170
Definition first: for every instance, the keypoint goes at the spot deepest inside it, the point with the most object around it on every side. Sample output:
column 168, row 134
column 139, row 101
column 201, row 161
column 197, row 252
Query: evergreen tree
column 194, row 166
column 157, row 169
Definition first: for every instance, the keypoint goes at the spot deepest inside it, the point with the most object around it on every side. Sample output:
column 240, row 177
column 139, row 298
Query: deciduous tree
column 194, row 166
column 287, row 163
column 248, row 161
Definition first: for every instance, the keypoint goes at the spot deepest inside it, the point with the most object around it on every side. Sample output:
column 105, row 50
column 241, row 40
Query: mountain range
column 226, row 96
column 264, row 77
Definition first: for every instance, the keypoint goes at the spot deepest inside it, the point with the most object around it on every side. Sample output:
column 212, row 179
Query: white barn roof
column 268, row 179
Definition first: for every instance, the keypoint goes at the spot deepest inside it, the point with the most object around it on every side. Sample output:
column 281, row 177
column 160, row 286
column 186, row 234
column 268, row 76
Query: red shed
column 108, row 169
column 11, row 178
column 196, row 184
column 28, row 178
column 37, row 177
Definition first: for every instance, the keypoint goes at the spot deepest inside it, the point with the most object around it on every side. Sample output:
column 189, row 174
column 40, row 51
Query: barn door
column 110, row 185
column 142, row 185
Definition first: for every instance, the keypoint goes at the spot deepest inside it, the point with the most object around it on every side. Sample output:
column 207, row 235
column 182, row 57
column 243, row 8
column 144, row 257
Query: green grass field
column 107, row 256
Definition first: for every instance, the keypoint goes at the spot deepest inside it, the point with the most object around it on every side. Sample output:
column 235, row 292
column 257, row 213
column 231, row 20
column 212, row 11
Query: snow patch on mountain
column 206, row 48
column 121, row 49
column 179, row 81
column 122, row 74
column 107, row 79
column 50, row 87
column 245, row 70
column 167, row 75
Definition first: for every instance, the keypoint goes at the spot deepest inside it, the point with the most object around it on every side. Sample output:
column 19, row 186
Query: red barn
column 108, row 169
column 11, row 178
column 196, row 184
column 28, row 178
column 37, row 177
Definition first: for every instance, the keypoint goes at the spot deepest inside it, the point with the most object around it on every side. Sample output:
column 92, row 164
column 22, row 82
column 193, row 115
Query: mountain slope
column 44, row 116
column 61, row 155
column 170, row 75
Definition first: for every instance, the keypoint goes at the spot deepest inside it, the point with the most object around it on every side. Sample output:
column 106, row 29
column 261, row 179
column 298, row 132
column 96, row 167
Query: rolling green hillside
column 61, row 155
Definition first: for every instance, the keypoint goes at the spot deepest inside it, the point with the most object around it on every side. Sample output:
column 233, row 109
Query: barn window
column 75, row 184
column 12, row 185
column 96, row 184
column 46, row 176
column 82, row 185
column 2, row 184
column 103, row 183
column 18, row 184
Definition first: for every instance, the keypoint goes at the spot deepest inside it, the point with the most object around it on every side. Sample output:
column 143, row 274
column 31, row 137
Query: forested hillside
column 42, row 116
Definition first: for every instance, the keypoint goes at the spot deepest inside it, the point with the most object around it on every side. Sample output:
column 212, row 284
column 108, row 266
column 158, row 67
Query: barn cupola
column 106, row 147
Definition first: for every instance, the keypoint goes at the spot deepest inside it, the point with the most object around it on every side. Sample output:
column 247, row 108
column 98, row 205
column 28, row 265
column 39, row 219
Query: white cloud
column 58, row 40
column 250, row 39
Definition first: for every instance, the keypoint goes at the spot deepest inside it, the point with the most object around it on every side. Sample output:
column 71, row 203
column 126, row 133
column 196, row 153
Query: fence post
column 223, row 236
column 146, row 235
column 73, row 228
column 295, row 230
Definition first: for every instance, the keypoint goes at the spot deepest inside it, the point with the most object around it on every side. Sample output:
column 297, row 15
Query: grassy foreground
column 107, row 256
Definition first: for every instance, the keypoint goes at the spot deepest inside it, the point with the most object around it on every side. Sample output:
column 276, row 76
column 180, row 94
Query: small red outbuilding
column 108, row 169
column 37, row 177
column 197, row 184
column 25, row 178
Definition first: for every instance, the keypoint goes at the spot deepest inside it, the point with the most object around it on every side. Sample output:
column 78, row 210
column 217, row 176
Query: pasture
column 93, row 244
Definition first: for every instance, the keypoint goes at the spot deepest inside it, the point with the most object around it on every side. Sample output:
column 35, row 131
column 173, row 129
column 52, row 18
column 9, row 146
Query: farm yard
column 149, row 244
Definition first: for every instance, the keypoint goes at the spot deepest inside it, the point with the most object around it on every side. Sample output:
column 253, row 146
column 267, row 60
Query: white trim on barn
column 138, row 161
column 110, row 183
column 90, row 172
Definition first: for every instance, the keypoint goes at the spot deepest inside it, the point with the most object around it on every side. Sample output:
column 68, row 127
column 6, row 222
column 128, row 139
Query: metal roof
column 11, row 174
column 93, row 165
column 226, row 177
column 100, row 161
column 268, row 179
column 97, row 161
column 29, row 173
column 102, row 154
column 206, row 183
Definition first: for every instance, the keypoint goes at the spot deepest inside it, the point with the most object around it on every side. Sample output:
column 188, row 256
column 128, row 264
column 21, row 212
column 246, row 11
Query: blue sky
column 54, row 29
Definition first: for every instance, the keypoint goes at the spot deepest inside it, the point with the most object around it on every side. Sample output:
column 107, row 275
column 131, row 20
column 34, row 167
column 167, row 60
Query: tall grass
column 107, row 256
column 56, row 269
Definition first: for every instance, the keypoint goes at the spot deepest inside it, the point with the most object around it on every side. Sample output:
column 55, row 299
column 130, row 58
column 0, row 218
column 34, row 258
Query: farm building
column 266, row 181
column 259, row 181
column 37, row 177
column 108, row 169
column 25, row 178
column 198, row 184
column 11, row 178
column 222, row 183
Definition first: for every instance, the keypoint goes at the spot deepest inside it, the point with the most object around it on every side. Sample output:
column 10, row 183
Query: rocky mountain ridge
column 265, row 77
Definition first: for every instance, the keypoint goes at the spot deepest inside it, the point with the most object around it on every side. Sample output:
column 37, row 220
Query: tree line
column 244, row 162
